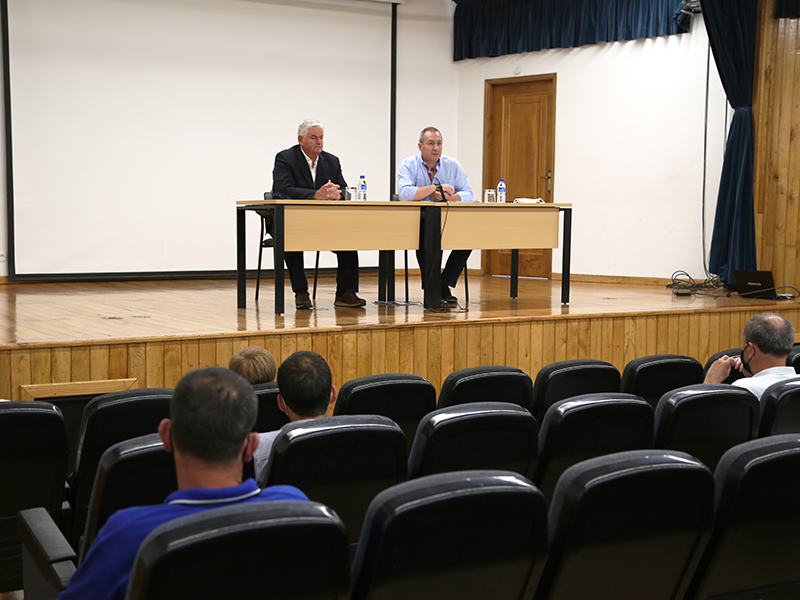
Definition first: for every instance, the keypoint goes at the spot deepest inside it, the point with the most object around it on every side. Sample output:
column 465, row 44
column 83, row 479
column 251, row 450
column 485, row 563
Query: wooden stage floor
column 154, row 331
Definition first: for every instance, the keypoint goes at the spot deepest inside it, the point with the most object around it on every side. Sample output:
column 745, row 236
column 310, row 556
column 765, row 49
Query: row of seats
column 638, row 525
column 403, row 398
column 345, row 461
column 407, row 399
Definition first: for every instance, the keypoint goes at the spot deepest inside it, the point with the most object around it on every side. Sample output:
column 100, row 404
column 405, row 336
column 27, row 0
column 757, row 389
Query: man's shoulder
column 288, row 153
column 328, row 156
column 410, row 161
column 450, row 160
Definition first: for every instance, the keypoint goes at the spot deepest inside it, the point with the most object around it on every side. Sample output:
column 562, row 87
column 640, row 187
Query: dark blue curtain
column 498, row 27
column 731, row 28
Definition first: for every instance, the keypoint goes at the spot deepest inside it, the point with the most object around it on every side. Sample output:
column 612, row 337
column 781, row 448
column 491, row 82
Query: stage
column 149, row 333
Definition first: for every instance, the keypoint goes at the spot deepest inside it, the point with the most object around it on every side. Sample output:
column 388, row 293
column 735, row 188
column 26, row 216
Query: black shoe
column 349, row 300
column 302, row 300
column 447, row 295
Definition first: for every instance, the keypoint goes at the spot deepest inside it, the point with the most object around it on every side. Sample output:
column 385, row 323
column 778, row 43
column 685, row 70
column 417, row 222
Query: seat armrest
column 48, row 561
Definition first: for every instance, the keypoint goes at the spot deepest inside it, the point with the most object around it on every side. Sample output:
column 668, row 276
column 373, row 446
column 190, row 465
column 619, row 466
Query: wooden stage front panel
column 154, row 332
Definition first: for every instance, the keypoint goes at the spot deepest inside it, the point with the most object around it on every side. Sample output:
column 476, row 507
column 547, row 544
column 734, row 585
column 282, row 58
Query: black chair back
column 780, row 408
column 650, row 377
column 754, row 552
column 793, row 360
column 477, row 435
column 628, row 526
column 705, row 420
column 33, row 466
column 107, row 420
column 343, row 462
column 569, row 378
column 270, row 417
column 487, row 384
column 280, row 550
column 587, row 426
column 403, row 398
column 453, row 536
column 135, row 472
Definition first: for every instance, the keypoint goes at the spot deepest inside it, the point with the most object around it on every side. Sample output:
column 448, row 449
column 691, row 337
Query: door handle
column 549, row 178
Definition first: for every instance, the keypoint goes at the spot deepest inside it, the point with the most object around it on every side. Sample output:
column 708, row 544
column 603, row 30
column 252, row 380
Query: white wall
column 629, row 127
column 629, row 147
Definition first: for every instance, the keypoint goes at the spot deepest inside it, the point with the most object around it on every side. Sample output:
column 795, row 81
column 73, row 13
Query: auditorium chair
column 587, row 426
column 33, row 466
column 133, row 472
column 477, row 435
column 628, row 526
column 753, row 553
column 731, row 352
column 487, row 384
column 653, row 376
column 281, row 550
column 270, row 417
column 341, row 461
column 780, row 408
column 705, row 420
column 107, row 420
column 468, row 535
column 793, row 360
column 569, row 378
column 401, row 397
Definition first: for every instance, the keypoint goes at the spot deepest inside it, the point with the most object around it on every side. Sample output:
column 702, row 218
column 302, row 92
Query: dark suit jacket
column 291, row 177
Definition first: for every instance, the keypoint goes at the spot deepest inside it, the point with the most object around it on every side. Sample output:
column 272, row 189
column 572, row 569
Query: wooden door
column 519, row 146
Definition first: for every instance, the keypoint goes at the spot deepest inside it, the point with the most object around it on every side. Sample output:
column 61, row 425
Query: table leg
column 433, row 256
column 279, row 257
column 565, row 254
column 241, row 259
column 514, row 273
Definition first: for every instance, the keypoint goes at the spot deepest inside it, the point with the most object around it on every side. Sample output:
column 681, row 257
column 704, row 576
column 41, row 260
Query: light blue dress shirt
column 413, row 174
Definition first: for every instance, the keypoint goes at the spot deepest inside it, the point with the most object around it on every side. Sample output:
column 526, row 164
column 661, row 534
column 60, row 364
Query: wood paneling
column 776, row 110
column 428, row 349
column 163, row 330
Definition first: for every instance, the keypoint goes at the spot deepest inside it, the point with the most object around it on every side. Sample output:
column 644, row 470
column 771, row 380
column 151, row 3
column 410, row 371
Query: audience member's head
column 772, row 333
column 212, row 412
column 255, row 364
column 304, row 380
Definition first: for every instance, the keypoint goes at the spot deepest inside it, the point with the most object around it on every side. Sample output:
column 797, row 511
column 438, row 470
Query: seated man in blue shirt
column 212, row 413
column 417, row 179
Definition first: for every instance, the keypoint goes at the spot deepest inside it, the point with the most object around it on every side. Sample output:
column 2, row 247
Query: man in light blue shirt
column 417, row 178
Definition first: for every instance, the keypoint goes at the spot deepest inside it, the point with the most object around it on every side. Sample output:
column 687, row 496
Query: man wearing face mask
column 767, row 340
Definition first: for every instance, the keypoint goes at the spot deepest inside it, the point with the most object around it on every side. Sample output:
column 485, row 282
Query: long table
column 301, row 225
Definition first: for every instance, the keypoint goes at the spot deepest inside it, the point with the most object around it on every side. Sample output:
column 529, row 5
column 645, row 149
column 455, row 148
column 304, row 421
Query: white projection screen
column 137, row 124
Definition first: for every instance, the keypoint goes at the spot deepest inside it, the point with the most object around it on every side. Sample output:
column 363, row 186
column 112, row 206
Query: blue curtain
column 498, row 27
column 731, row 28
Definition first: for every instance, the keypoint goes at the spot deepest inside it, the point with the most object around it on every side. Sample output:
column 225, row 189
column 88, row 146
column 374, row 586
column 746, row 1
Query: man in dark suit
column 305, row 171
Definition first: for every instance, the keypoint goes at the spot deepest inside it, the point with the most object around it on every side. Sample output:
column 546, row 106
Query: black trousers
column 456, row 262
column 346, row 272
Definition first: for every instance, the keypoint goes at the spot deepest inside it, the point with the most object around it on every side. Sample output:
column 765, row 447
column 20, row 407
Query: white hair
column 303, row 128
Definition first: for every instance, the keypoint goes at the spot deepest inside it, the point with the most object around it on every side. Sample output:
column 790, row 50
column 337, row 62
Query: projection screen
column 135, row 125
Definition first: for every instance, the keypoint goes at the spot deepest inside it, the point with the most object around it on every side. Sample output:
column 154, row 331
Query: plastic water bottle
column 501, row 191
column 362, row 189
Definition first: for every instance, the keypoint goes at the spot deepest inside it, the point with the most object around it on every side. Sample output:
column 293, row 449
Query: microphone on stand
column 440, row 190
